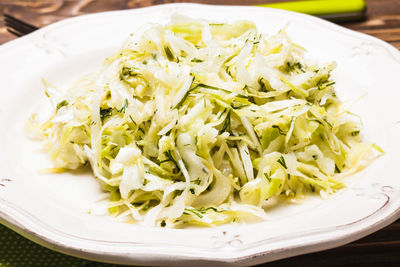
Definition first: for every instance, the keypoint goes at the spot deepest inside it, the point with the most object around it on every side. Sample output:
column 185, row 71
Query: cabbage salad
column 205, row 123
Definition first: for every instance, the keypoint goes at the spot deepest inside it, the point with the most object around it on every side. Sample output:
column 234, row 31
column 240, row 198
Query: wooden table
column 383, row 21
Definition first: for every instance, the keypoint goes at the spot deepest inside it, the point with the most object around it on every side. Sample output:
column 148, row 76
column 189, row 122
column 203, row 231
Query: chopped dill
column 124, row 106
column 268, row 176
column 62, row 104
column 281, row 161
column 105, row 113
column 196, row 60
column 169, row 53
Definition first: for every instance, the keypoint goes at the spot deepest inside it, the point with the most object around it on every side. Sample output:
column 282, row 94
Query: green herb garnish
column 105, row 113
column 281, row 161
column 124, row 106
column 62, row 104
column 169, row 53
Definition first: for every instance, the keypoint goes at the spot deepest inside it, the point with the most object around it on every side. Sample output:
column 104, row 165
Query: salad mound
column 205, row 123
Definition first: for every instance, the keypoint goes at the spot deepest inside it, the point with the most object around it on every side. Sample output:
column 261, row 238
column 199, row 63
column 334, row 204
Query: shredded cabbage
column 203, row 123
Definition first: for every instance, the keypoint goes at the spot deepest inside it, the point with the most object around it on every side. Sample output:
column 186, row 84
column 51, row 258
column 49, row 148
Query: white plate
column 52, row 209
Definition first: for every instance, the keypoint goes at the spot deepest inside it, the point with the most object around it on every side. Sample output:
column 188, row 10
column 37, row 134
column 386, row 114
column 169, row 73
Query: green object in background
column 334, row 10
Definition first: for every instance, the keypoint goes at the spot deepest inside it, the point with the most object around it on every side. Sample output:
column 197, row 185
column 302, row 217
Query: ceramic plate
column 52, row 209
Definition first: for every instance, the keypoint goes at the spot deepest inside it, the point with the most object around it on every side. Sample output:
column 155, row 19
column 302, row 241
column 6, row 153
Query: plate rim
column 20, row 217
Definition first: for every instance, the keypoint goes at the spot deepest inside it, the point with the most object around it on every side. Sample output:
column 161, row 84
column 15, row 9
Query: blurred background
column 381, row 19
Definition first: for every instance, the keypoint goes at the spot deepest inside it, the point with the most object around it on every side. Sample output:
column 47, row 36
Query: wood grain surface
column 383, row 21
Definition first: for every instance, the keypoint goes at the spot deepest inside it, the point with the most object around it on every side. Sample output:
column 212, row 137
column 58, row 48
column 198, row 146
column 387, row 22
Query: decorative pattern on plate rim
column 49, row 45
column 376, row 191
column 365, row 48
column 225, row 239
column 4, row 181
